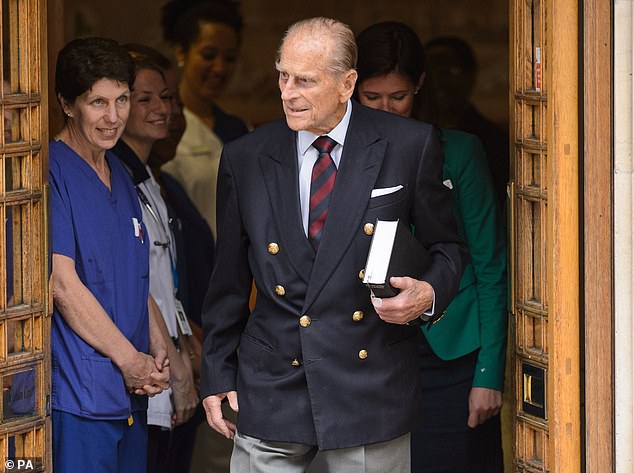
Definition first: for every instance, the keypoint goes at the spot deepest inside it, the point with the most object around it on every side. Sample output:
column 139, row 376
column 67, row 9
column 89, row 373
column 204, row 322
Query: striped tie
column 321, row 185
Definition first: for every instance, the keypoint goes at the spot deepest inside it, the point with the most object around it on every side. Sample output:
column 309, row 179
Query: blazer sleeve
column 226, row 307
column 435, row 225
column 484, row 233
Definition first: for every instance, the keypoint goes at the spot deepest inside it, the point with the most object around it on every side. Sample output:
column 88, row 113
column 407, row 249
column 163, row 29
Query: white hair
column 345, row 46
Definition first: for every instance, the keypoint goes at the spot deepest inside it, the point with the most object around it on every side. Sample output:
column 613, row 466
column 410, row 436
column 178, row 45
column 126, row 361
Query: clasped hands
column 415, row 298
column 146, row 374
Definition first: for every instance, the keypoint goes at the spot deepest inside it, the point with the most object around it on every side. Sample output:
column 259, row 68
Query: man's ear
column 347, row 84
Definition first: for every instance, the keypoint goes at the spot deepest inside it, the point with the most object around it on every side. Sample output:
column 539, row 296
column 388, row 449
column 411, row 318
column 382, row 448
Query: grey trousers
column 251, row 455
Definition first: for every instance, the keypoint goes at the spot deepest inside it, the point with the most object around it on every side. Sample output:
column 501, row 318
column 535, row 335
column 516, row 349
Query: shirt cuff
column 430, row 311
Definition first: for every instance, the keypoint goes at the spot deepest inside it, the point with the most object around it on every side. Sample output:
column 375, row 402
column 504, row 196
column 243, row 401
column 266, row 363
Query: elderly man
column 322, row 371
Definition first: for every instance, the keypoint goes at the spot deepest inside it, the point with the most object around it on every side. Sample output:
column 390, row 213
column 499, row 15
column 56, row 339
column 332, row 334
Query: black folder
column 394, row 251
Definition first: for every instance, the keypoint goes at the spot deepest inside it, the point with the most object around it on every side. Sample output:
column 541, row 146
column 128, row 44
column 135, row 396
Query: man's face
column 313, row 97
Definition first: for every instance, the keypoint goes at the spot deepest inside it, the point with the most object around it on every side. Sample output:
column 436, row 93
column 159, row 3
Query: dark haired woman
column 463, row 354
column 206, row 35
column 100, row 333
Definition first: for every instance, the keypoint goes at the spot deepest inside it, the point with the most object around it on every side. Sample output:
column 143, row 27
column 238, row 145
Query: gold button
column 296, row 362
column 304, row 321
column 273, row 248
column 357, row 316
column 279, row 290
column 368, row 228
column 363, row 354
column 362, row 274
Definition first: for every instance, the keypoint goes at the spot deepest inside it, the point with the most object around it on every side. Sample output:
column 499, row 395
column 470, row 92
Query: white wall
column 624, row 231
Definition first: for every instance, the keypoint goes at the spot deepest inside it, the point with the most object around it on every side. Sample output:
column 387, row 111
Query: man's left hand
column 484, row 403
column 415, row 298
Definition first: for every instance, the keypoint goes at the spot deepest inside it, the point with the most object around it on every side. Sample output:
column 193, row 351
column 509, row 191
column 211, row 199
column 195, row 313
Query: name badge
column 138, row 229
column 181, row 318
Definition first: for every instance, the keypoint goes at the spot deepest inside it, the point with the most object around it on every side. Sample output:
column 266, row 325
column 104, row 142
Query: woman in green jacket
column 463, row 353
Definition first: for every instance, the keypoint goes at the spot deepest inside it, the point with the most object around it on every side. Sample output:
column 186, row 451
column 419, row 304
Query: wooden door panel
column 529, row 204
column 545, row 235
column 24, row 321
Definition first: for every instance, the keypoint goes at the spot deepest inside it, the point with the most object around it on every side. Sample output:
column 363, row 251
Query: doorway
column 560, row 204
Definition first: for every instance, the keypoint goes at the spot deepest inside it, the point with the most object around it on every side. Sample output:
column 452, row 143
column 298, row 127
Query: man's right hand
column 213, row 409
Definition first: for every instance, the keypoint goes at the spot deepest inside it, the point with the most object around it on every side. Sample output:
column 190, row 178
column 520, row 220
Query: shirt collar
column 338, row 133
column 131, row 161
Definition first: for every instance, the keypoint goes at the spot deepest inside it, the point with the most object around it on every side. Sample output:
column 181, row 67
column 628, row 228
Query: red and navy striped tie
column 321, row 185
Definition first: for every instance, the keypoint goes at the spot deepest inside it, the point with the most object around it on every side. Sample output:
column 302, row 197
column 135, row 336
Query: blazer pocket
column 248, row 340
column 386, row 199
column 378, row 192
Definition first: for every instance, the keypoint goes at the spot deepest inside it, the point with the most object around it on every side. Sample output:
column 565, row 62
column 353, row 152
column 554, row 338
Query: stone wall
column 624, row 234
column 253, row 93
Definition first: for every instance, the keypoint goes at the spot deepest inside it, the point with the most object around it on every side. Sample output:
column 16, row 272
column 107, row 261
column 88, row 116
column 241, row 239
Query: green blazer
column 477, row 316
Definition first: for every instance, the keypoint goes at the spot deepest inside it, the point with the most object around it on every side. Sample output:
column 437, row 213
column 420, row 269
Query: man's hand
column 415, row 298
column 484, row 403
column 213, row 409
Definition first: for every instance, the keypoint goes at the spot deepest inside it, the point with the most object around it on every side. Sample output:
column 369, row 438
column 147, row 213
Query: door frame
column 579, row 308
column 597, row 235
column 583, row 31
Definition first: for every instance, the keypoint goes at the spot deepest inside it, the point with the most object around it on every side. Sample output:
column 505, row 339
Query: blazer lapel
column 359, row 168
column 279, row 168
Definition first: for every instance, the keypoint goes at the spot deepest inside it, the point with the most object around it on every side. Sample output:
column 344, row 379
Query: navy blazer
column 335, row 381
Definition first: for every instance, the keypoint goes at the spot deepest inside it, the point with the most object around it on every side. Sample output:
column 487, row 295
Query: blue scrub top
column 95, row 227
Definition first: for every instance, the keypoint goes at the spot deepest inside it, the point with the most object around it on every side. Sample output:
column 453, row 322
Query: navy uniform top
column 102, row 231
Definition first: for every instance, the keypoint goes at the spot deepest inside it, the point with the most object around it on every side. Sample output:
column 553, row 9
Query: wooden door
column 545, row 235
column 24, row 308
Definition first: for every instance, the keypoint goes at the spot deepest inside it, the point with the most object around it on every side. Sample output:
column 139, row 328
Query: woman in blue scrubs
column 106, row 354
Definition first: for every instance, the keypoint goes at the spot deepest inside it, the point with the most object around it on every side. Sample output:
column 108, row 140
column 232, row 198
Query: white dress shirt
column 307, row 155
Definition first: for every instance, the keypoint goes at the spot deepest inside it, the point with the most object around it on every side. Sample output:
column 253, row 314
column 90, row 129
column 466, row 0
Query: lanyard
column 166, row 244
